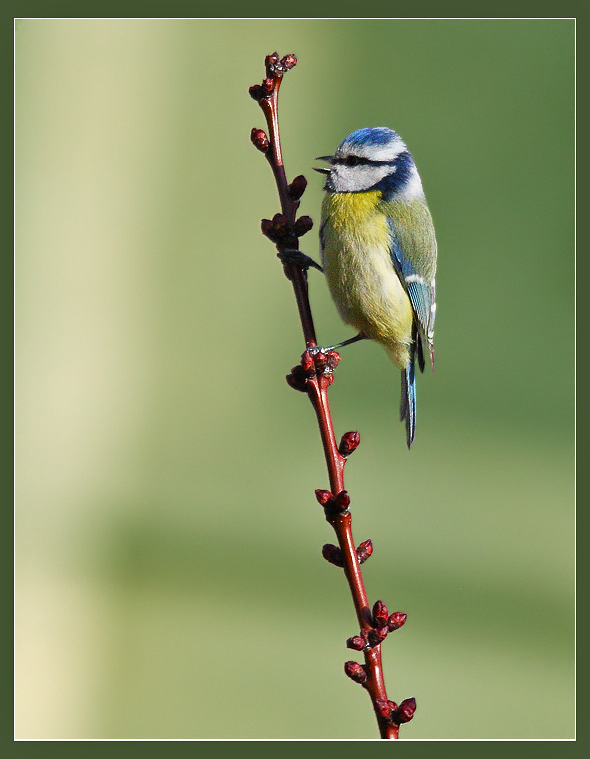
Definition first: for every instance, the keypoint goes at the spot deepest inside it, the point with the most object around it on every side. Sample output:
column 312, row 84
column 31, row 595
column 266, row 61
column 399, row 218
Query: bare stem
column 314, row 375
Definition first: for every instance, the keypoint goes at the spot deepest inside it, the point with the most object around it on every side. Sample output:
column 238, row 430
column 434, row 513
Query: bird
column 379, row 252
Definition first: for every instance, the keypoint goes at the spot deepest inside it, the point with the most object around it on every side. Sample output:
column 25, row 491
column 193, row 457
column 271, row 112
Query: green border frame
column 343, row 9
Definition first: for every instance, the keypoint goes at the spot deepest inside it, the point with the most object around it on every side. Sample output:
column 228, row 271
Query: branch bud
column 405, row 711
column 356, row 643
column 333, row 555
column 259, row 140
column 266, row 226
column 380, row 614
column 396, row 620
column 320, row 361
column 355, row 671
column 342, row 500
column 323, row 496
column 377, row 636
column 280, row 225
column 268, row 230
column 278, row 67
column 364, row 550
column 257, row 92
column 303, row 225
column 270, row 62
column 297, row 187
column 297, row 379
column 332, row 360
column 288, row 61
column 383, row 707
column 349, row 443
column 307, row 362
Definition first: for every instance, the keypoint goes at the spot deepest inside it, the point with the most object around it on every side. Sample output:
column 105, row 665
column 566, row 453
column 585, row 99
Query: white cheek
column 358, row 178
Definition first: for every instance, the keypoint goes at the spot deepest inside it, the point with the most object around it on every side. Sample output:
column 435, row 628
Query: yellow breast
column 360, row 274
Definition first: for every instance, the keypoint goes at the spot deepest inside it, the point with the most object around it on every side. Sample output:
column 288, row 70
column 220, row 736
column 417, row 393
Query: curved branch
column 313, row 376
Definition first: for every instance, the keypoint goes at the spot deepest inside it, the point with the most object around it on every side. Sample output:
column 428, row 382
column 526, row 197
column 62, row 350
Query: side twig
column 313, row 375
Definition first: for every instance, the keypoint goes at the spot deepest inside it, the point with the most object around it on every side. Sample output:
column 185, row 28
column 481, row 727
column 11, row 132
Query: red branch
column 313, row 376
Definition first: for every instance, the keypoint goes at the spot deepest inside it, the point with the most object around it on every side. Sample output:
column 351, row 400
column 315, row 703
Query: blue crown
column 371, row 136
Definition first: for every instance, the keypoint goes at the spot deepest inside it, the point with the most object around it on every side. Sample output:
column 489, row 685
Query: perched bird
column 379, row 251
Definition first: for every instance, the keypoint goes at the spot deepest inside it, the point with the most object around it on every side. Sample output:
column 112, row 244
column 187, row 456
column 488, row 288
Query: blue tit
column 379, row 251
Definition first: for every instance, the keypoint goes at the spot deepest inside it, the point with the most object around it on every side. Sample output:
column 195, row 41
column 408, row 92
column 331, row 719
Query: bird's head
column 374, row 158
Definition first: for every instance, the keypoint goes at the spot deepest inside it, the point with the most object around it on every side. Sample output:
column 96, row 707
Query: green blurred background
column 169, row 581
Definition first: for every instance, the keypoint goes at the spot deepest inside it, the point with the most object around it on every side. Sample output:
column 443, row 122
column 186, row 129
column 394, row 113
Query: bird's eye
column 352, row 160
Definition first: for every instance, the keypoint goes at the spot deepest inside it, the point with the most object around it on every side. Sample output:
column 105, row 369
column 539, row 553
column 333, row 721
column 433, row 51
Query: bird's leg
column 317, row 349
column 297, row 258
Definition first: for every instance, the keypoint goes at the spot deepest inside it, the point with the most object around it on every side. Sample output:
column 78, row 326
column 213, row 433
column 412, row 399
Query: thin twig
column 313, row 376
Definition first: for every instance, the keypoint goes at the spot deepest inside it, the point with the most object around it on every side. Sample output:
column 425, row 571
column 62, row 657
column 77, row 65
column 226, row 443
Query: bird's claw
column 297, row 258
column 316, row 349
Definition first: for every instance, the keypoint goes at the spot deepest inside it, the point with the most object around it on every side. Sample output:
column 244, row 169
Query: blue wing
column 415, row 276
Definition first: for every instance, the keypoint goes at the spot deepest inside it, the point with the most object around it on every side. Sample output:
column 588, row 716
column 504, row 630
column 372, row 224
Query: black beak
column 327, row 158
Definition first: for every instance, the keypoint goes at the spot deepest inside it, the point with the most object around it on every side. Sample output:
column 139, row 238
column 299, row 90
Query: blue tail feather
column 408, row 398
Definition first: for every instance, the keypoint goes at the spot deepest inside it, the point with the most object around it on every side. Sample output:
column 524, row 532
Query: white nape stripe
column 413, row 187
column 376, row 152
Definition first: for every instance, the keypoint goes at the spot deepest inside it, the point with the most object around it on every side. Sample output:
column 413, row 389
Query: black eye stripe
column 359, row 161
column 401, row 158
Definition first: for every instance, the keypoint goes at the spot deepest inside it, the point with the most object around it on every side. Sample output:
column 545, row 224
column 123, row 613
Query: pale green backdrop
column 169, row 581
